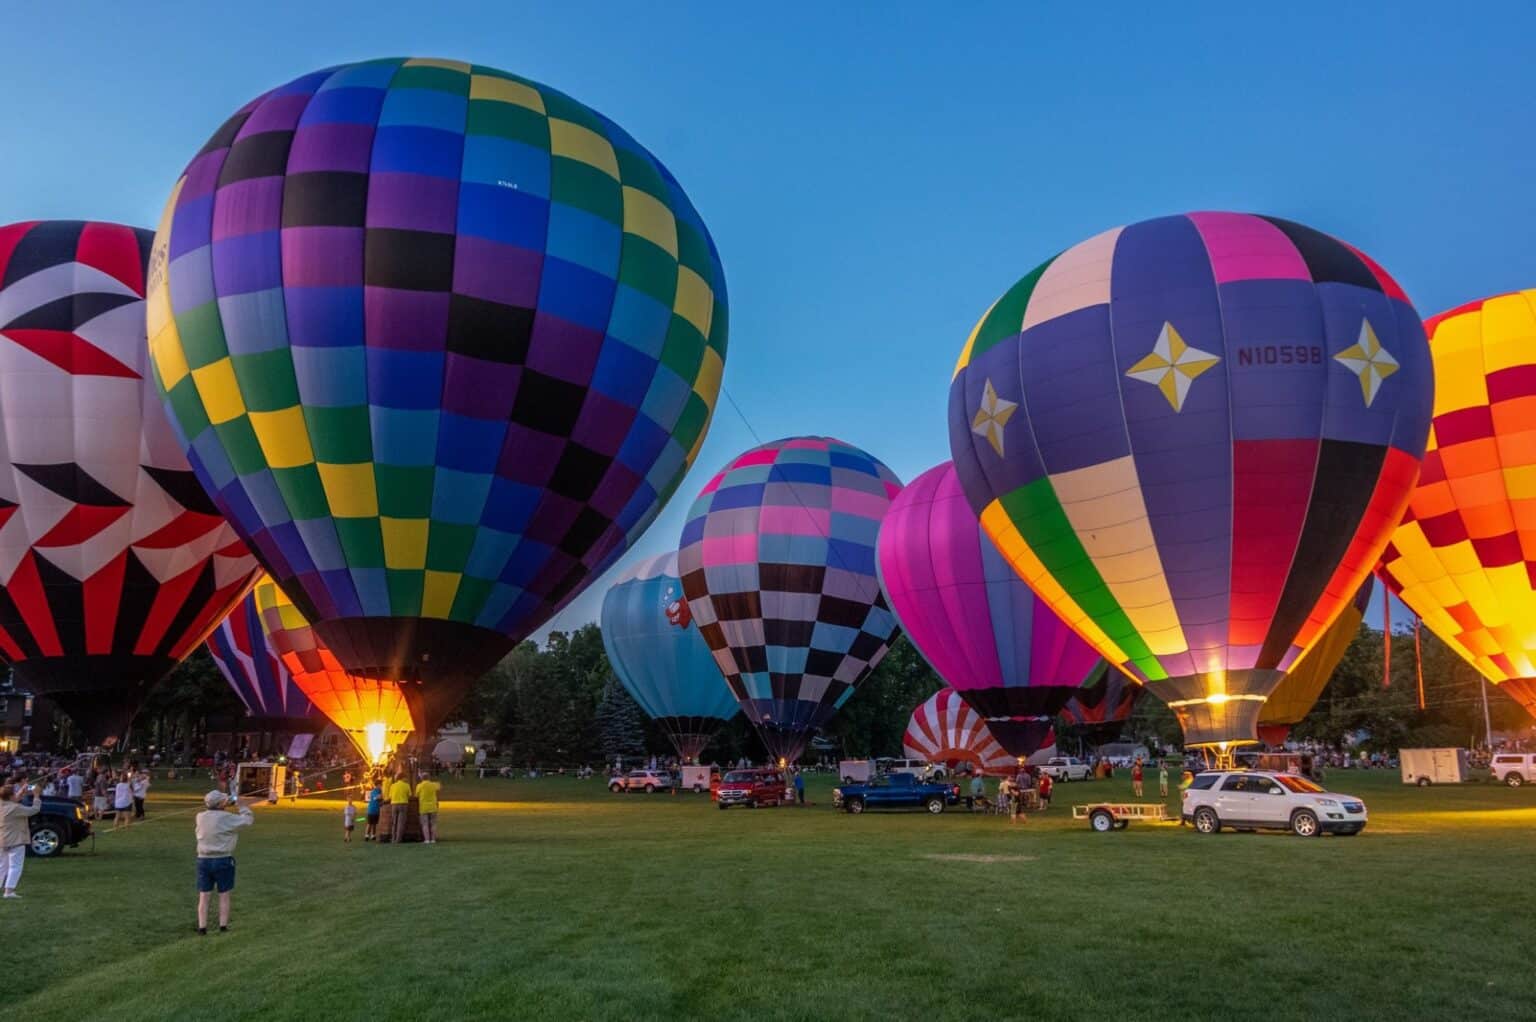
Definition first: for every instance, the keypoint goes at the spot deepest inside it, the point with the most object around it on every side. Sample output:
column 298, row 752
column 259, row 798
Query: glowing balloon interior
column 372, row 713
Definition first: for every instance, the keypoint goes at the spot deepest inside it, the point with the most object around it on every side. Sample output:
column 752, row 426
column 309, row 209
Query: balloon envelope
column 778, row 565
column 660, row 657
column 1106, row 704
column 372, row 713
column 113, row 564
column 272, row 701
column 1192, row 436
column 1462, row 557
column 441, row 341
column 1299, row 690
column 944, row 729
column 986, row 634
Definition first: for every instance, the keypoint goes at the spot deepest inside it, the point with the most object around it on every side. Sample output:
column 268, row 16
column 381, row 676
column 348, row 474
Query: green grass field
column 554, row 899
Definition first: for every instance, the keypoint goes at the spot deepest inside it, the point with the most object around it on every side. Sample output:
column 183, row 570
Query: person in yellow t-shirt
column 426, row 798
column 400, row 804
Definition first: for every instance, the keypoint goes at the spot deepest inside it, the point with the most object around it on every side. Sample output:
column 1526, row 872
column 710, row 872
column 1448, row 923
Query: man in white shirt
column 218, row 831
column 140, row 788
column 75, row 785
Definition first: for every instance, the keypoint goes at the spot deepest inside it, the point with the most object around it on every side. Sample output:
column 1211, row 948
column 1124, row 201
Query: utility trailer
column 1106, row 816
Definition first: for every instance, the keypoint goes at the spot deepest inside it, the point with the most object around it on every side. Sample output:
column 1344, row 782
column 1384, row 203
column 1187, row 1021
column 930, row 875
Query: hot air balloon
column 1297, row 692
column 944, row 729
column 1192, row 436
column 272, row 701
column 778, row 565
column 372, row 713
column 113, row 564
column 660, row 657
column 441, row 341
column 991, row 639
column 1462, row 558
column 1104, row 705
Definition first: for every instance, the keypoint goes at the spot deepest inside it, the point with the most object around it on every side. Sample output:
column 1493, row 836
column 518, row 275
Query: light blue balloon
column 660, row 657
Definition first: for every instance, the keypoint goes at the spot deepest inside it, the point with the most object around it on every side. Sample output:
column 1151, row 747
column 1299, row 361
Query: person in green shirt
column 426, row 798
column 400, row 804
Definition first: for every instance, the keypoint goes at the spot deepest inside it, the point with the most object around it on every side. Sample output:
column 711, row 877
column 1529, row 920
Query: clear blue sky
column 874, row 175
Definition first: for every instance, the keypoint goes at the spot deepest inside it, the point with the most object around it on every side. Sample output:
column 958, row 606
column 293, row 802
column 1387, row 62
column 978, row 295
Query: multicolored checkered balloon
column 440, row 341
column 778, row 565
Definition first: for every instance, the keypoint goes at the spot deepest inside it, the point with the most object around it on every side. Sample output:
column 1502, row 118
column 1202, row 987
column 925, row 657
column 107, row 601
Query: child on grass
column 375, row 805
column 348, row 819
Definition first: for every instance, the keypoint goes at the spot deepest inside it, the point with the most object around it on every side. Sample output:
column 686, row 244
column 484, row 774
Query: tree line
column 559, row 704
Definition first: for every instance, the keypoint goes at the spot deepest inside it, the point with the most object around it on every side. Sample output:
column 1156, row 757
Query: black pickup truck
column 61, row 824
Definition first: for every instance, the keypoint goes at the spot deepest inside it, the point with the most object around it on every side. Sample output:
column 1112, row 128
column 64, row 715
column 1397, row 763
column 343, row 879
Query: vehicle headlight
column 79, row 813
column 1328, row 802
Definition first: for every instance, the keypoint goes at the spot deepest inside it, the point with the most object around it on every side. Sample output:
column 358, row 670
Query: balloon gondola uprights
column 1192, row 437
column 441, row 341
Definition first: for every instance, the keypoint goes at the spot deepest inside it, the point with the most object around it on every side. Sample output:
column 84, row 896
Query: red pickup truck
column 752, row 788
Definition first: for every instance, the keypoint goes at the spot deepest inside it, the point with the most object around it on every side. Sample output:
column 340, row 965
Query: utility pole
column 1482, row 687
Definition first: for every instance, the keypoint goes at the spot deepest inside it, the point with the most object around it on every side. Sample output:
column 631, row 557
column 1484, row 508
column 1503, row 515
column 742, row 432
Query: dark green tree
column 620, row 723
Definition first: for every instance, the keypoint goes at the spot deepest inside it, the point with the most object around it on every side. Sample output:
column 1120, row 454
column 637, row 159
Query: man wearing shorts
column 218, row 830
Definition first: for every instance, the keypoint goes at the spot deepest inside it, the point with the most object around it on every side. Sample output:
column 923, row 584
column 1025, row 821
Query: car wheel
column 615, row 788
column 1423, row 782
column 1304, row 823
column 1102, row 820
column 1514, row 780
column 723, row 806
column 1206, row 821
column 935, row 806
column 856, row 806
column 47, row 840
column 752, row 804
column 650, row 789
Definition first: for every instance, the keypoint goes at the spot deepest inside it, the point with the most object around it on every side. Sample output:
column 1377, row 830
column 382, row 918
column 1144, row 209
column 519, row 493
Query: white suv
column 1066, row 768
column 642, row 780
column 1252, row 799
column 919, row 768
column 1514, row 768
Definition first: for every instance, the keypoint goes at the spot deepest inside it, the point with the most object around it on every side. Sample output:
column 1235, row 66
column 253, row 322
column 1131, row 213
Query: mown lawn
column 553, row 899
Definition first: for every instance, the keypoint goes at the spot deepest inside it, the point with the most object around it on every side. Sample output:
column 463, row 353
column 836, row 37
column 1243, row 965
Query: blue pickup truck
column 896, row 791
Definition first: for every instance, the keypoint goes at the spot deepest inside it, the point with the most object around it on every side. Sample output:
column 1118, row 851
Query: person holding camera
column 15, row 833
column 218, row 830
